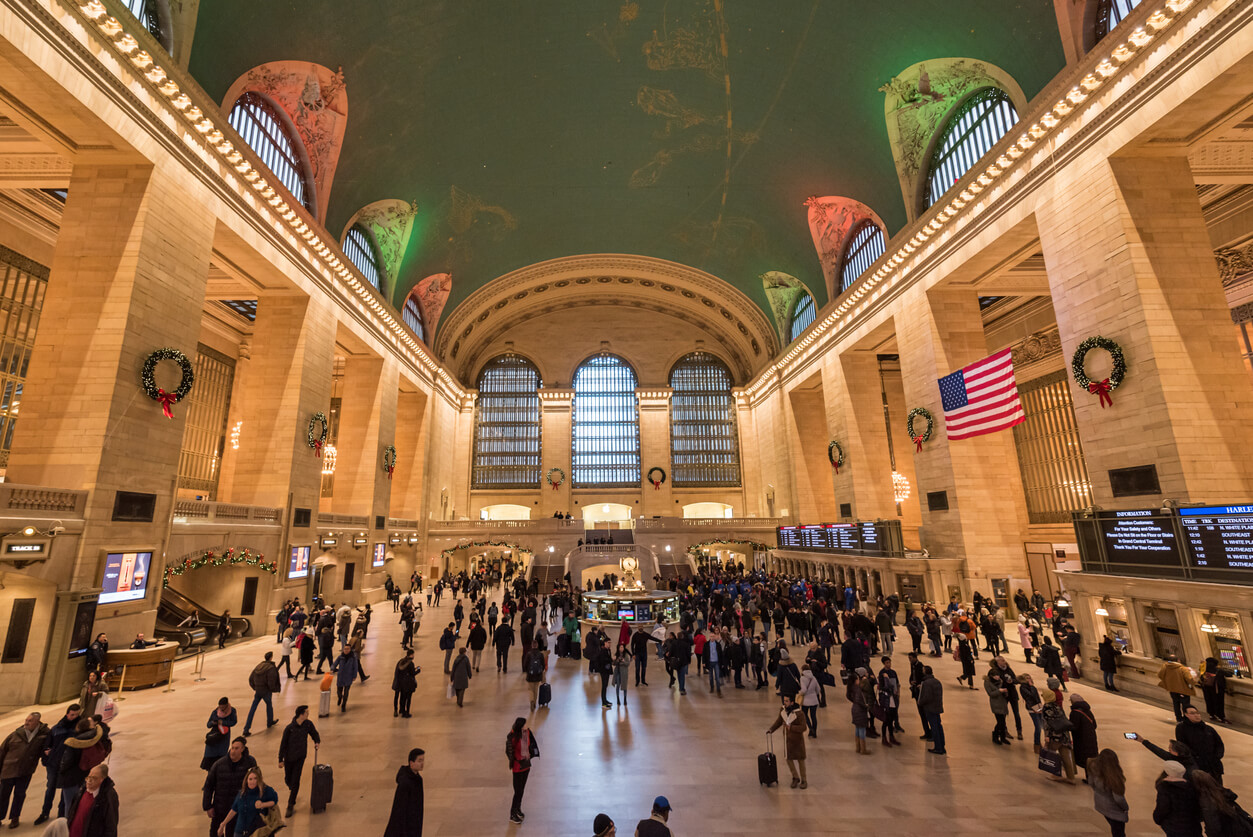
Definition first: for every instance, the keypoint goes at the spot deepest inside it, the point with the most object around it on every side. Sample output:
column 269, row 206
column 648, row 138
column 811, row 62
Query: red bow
column 389, row 471
column 918, row 442
column 1101, row 389
column 317, row 447
column 656, row 485
column 167, row 400
column 555, row 485
column 836, row 466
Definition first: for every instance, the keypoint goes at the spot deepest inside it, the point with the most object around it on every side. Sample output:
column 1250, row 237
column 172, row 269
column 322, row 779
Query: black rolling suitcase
column 563, row 645
column 768, row 765
column 545, row 694
column 323, row 787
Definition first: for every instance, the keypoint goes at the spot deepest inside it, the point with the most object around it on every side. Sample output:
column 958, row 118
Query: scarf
column 789, row 718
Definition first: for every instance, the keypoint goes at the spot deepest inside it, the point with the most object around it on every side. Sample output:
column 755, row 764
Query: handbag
column 451, row 691
column 214, row 736
column 877, row 712
column 1050, row 761
column 272, row 821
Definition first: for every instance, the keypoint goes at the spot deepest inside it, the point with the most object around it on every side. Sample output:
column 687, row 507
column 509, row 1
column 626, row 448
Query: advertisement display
column 125, row 576
column 380, row 555
column 299, row 567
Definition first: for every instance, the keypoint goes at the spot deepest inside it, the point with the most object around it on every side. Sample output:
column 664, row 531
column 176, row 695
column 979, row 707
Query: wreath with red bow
column 925, row 435
column 835, row 455
column 320, row 441
column 149, row 383
column 1104, row 387
column 658, row 480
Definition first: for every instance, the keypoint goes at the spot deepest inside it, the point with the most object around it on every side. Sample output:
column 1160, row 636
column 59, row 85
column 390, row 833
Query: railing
column 705, row 523
column 358, row 520
column 187, row 511
column 543, row 524
column 34, row 498
column 401, row 523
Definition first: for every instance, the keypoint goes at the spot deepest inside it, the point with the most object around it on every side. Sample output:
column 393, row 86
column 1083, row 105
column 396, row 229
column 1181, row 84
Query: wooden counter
column 144, row 668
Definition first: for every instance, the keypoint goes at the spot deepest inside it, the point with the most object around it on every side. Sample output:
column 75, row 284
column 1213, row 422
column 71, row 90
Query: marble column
column 655, row 452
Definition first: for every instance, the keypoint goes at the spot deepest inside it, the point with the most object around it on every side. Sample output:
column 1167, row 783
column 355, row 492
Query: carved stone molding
column 1036, row 347
column 1242, row 313
column 1234, row 263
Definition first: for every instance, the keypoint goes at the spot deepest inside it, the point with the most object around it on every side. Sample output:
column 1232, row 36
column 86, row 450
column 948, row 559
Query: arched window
column 412, row 315
column 507, row 425
column 606, row 432
column 359, row 248
column 260, row 124
column 976, row 125
column 148, row 12
column 704, row 446
column 1110, row 13
column 866, row 246
column 802, row 316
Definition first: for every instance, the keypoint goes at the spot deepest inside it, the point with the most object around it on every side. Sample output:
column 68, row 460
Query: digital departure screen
column 125, row 576
column 380, row 554
column 863, row 537
column 299, row 566
column 1219, row 537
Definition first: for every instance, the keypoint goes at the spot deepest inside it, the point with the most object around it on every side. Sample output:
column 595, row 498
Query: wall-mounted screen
column 380, row 554
column 299, row 566
column 1219, row 538
column 125, row 576
column 626, row 613
column 863, row 537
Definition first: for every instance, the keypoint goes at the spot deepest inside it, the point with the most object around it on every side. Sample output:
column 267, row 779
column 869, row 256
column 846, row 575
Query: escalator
column 175, row 607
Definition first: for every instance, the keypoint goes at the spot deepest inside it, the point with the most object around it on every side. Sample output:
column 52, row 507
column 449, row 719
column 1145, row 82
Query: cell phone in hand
column 1131, row 736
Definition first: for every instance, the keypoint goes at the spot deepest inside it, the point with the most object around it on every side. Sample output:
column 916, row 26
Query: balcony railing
column 198, row 511
column 659, row 524
column 543, row 524
column 28, row 499
column 360, row 521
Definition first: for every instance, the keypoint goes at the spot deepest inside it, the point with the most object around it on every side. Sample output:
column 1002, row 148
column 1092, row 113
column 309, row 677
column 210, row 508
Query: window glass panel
column 22, row 284
column 978, row 125
column 1050, row 458
column 802, row 316
column 704, row 445
column 359, row 249
column 412, row 315
column 259, row 124
column 507, row 425
column 1111, row 13
column 207, row 407
column 145, row 11
column 867, row 246
column 606, row 424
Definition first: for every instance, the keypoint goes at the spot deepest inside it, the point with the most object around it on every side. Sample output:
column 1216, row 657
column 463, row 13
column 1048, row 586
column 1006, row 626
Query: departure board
column 1219, row 537
column 863, row 537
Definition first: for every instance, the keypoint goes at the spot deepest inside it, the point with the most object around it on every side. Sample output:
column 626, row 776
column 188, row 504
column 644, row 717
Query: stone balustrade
column 25, row 499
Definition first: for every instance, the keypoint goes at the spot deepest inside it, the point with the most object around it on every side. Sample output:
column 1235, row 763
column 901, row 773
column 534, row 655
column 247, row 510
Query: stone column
column 1129, row 258
column 556, row 417
column 655, row 452
column 127, row 278
column 855, row 416
column 367, row 424
column 986, row 517
column 412, row 420
column 750, row 458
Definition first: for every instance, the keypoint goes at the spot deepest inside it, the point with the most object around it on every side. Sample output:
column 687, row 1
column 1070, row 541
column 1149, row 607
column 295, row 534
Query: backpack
column 535, row 666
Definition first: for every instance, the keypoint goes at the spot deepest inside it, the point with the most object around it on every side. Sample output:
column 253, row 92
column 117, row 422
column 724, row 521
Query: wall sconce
column 900, row 487
column 1061, row 601
column 235, row 431
column 328, row 460
column 1208, row 625
column 667, row 547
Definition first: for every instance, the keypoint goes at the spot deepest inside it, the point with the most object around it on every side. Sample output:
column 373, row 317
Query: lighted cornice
column 1106, row 63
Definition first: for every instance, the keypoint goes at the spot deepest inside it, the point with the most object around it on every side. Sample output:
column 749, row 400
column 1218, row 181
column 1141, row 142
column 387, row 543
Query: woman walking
column 304, row 647
column 792, row 719
column 294, row 749
column 404, row 682
column 460, row 674
column 1031, row 700
column 809, row 696
column 861, row 709
column 1109, row 785
column 218, row 739
column 251, row 806
column 621, row 673
column 93, row 690
column 521, row 748
column 965, row 655
column 1058, row 729
column 1084, row 733
column 1024, row 636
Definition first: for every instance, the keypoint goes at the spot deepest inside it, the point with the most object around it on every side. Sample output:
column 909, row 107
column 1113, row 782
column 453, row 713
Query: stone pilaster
column 367, row 424
column 556, row 418
column 412, row 422
column 655, row 451
column 855, row 415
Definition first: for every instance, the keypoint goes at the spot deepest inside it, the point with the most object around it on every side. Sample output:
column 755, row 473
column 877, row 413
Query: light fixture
column 551, row 549
column 1061, row 601
column 235, row 431
column 1208, row 625
column 900, row 487
column 328, row 460
column 667, row 547
column 1102, row 611
column 29, row 531
column 605, row 508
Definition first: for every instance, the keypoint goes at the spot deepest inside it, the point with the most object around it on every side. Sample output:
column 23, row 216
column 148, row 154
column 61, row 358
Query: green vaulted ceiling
column 689, row 130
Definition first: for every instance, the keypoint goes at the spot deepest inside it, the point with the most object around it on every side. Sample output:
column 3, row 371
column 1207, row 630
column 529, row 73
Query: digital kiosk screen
column 1219, row 537
column 125, row 576
column 380, row 554
column 299, row 567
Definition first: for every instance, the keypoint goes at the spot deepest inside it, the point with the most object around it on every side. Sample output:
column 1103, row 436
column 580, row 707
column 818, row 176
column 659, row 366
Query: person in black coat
column 408, row 802
column 1083, row 736
column 1178, row 811
column 294, row 749
column 97, row 653
column 223, row 781
column 404, row 683
column 102, row 819
column 502, row 639
column 1108, row 655
column 1203, row 741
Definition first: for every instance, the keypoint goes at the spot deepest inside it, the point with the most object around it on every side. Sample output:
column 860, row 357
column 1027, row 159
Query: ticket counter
column 132, row 668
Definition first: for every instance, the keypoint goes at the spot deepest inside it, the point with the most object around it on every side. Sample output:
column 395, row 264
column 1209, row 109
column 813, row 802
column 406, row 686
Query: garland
column 149, row 383
column 555, row 483
column 317, row 443
column 389, row 460
column 657, row 482
column 447, row 553
column 925, row 436
column 1102, row 388
column 211, row 559
column 835, row 455
column 694, row 549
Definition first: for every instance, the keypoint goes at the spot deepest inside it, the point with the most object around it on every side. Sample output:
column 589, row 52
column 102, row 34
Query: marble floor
column 697, row 750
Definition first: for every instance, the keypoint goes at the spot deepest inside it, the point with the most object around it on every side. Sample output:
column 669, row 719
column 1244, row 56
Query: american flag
column 982, row 398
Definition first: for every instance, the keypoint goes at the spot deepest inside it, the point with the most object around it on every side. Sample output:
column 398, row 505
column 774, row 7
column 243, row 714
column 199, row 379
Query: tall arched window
column 412, row 315
column 704, row 446
column 148, row 12
column 1110, row 13
column 507, row 425
column 259, row 123
column 866, row 246
column 976, row 125
column 802, row 316
column 606, row 432
column 360, row 250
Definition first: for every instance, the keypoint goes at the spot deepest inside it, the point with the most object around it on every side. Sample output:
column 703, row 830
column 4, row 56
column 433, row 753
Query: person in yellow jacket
column 1177, row 679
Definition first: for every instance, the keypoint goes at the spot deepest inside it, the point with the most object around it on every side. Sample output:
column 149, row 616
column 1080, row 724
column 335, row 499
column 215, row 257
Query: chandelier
column 328, row 460
column 900, row 486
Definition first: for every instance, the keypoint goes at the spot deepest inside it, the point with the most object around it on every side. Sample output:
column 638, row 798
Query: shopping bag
column 1051, row 762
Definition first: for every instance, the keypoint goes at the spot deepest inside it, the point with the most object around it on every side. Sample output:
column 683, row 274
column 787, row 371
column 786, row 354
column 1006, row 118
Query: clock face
column 629, row 564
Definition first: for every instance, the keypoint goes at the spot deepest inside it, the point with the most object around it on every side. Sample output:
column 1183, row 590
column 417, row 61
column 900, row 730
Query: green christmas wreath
column 557, row 480
column 835, row 455
column 659, row 480
column 389, row 460
column 1104, row 387
column 149, row 383
column 924, row 436
column 319, row 441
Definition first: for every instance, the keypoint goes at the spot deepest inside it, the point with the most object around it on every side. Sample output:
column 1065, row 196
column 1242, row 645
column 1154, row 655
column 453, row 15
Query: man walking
column 409, row 802
column 51, row 759
column 223, row 781
column 931, row 704
column 294, row 749
column 1176, row 679
column 264, row 682
column 639, row 650
column 19, row 756
column 503, row 639
column 656, row 825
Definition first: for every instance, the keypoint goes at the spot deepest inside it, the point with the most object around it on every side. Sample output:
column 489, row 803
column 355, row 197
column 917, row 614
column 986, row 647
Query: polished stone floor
column 699, row 751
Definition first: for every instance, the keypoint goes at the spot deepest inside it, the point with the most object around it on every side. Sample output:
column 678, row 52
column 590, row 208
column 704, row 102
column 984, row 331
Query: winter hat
column 1049, row 697
column 601, row 825
column 861, row 672
column 1053, row 682
column 1174, row 769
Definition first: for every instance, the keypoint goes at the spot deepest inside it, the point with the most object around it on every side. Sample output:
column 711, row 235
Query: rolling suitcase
column 576, row 653
column 324, row 705
column 767, row 765
column 545, row 694
column 323, row 787
column 563, row 645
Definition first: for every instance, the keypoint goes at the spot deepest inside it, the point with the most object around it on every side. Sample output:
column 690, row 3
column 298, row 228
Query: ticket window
column 912, row 587
column 1226, row 641
column 1164, row 633
column 1116, row 624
